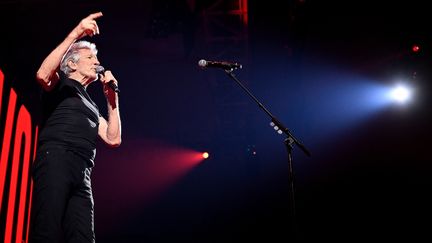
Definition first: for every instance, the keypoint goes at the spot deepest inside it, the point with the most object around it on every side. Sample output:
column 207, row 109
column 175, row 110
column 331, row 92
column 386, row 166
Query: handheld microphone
column 100, row 70
column 225, row 65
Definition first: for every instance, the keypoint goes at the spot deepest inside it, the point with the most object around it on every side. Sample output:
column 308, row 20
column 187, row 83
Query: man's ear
column 72, row 65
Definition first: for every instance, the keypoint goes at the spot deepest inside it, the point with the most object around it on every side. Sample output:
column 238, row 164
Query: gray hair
column 73, row 55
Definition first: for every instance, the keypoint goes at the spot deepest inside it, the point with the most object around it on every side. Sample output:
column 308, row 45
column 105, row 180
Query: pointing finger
column 95, row 15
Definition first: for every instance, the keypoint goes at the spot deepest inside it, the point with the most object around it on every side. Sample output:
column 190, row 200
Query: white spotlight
column 401, row 94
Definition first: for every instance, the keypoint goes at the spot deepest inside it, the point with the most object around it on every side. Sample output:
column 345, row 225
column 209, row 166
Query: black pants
column 62, row 204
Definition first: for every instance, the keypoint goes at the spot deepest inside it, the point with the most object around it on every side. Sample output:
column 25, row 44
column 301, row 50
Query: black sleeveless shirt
column 70, row 119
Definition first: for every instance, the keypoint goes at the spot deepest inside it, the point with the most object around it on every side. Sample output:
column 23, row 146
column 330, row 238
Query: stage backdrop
column 18, row 132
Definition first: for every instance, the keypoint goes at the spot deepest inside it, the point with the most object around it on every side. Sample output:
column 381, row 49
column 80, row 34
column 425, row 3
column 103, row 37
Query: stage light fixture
column 401, row 94
column 415, row 48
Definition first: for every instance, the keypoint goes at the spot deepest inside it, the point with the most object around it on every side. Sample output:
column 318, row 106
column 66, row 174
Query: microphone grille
column 202, row 63
column 100, row 69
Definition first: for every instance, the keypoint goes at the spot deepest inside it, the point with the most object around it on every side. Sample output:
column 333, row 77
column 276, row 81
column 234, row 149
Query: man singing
column 62, row 204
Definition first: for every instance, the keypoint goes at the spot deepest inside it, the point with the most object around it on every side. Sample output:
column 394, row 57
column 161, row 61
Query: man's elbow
column 42, row 76
column 114, row 143
column 44, row 80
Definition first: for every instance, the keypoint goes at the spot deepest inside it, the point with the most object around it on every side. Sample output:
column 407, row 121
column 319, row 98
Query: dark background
column 369, row 174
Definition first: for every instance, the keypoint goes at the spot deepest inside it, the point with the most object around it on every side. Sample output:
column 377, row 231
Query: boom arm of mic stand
column 277, row 123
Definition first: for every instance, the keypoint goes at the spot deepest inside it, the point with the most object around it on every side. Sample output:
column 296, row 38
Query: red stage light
column 415, row 48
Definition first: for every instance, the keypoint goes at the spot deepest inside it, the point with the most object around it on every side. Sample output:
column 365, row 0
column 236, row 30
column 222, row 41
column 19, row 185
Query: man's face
column 87, row 63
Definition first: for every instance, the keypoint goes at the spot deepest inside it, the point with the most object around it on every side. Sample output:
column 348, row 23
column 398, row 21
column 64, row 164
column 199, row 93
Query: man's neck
column 84, row 81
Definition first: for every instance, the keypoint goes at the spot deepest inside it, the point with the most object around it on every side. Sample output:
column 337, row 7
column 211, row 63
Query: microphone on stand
column 225, row 65
column 100, row 70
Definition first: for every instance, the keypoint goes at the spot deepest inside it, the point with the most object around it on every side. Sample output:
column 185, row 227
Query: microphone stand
column 289, row 141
